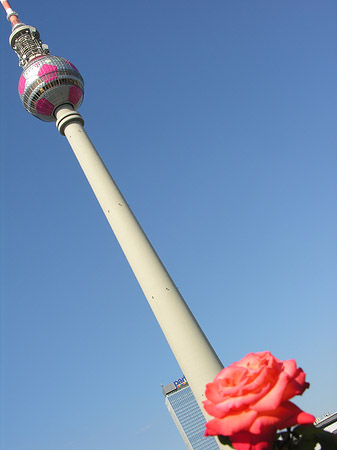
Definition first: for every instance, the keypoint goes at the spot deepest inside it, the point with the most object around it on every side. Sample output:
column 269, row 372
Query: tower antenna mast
column 52, row 89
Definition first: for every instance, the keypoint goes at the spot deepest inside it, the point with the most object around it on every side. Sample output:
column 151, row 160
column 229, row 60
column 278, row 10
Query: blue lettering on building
column 180, row 381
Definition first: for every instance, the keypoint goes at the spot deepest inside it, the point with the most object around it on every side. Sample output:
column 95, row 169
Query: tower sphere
column 48, row 82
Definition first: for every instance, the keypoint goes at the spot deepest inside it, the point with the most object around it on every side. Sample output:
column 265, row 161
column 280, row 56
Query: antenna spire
column 12, row 16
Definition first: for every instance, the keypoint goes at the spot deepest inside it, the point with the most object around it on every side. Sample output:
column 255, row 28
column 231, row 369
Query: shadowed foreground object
column 51, row 89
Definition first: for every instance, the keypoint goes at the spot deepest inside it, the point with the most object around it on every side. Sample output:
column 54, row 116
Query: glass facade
column 188, row 417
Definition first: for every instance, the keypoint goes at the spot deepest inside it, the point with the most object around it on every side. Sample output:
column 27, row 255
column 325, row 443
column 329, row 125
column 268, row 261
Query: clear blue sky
column 217, row 119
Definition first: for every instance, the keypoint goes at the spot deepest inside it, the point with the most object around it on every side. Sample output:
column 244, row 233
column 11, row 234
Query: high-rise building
column 327, row 422
column 187, row 415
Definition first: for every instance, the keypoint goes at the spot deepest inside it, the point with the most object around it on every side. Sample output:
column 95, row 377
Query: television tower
column 51, row 88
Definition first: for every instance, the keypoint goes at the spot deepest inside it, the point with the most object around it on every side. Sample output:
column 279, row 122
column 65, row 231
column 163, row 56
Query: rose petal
column 249, row 441
column 255, row 360
column 230, row 377
column 290, row 367
column 286, row 415
column 231, row 424
column 275, row 395
column 291, row 415
column 296, row 386
column 232, row 404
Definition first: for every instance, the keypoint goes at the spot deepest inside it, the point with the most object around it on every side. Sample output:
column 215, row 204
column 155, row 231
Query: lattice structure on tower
column 25, row 41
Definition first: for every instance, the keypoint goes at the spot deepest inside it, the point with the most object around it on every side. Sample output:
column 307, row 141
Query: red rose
column 249, row 400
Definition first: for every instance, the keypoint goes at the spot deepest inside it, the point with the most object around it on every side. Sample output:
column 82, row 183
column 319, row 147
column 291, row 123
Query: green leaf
column 225, row 440
column 304, row 430
column 281, row 440
column 307, row 443
column 327, row 440
column 309, row 436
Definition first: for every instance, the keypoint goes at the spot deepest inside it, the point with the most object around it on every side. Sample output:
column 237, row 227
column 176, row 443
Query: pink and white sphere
column 48, row 82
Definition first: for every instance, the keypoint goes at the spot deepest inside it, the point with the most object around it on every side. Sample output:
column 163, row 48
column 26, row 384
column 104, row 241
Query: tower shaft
column 51, row 88
column 189, row 344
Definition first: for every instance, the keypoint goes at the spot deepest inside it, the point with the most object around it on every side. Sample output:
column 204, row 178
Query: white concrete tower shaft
column 193, row 352
column 50, row 88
